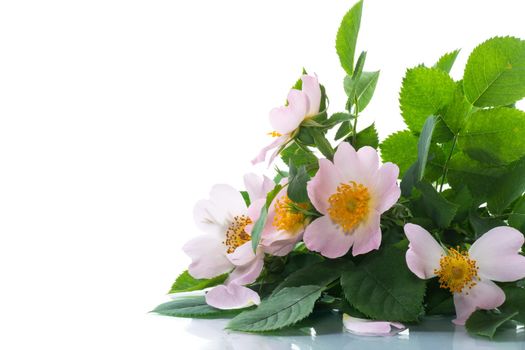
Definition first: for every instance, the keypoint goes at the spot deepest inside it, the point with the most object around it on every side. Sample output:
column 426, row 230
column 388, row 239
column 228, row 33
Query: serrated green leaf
column 494, row 136
column 514, row 301
column 481, row 225
column 297, row 185
column 423, row 146
column 508, row 188
column 495, row 72
column 322, row 143
column 486, row 323
column 425, row 92
column 344, row 130
column 400, row 148
column 367, row 137
column 517, row 217
column 193, row 307
column 455, row 114
column 440, row 210
column 446, row 61
column 364, row 88
column 337, row 118
column 346, row 38
column 382, row 287
column 283, row 309
column 298, row 156
column 186, row 283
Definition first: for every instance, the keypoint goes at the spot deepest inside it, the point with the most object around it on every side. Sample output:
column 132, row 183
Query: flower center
column 236, row 234
column 457, row 271
column 287, row 218
column 349, row 206
column 275, row 134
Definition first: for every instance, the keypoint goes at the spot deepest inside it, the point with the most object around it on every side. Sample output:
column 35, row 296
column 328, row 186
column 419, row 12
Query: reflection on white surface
column 327, row 333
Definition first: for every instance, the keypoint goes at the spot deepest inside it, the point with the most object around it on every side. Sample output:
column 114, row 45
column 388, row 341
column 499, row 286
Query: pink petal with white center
column 232, row 296
column 497, row 254
column 278, row 142
column 367, row 236
column 248, row 273
column 242, row 255
column 323, row 185
column 312, row 89
column 345, row 160
column 286, row 119
column 484, row 295
column 424, row 252
column 386, row 189
column 208, row 257
column 369, row 327
column 325, row 237
column 257, row 186
column 360, row 166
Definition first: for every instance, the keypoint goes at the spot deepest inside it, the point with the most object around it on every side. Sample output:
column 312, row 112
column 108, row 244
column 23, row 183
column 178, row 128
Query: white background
column 116, row 116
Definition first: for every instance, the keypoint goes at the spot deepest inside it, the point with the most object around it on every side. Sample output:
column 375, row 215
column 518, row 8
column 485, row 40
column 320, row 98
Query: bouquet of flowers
column 427, row 222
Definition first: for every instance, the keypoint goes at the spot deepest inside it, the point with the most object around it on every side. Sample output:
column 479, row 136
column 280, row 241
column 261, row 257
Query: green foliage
column 186, row 283
column 446, row 61
column 517, row 217
column 508, row 188
column 193, row 307
column 455, row 114
column 425, row 92
column 487, row 323
column 495, row 73
column 285, row 308
column 440, row 210
column 494, row 136
column 322, row 143
column 298, row 156
column 261, row 221
column 514, row 301
column 346, row 38
column 423, row 146
column 400, row 148
column 363, row 88
column 382, row 287
column 367, row 137
column 297, row 184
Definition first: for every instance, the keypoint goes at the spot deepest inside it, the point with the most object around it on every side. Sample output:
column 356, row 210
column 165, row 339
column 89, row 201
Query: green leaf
column 486, row 323
column 322, row 143
column 298, row 156
column 193, row 307
column 423, row 146
column 382, row 287
column 494, row 136
column 367, row 137
column 456, row 113
column 438, row 301
column 297, row 184
column 409, row 180
column 319, row 274
column 508, row 188
column 283, row 309
column 347, row 37
column 425, row 92
column 495, row 72
column 400, row 148
column 246, row 196
column 343, row 131
column 481, row 225
column 517, row 217
column 514, row 301
column 363, row 88
column 186, row 283
column 259, row 224
column 337, row 118
column 436, row 207
column 446, row 61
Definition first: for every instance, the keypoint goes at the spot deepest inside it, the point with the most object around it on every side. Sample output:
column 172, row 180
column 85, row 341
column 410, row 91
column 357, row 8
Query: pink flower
column 227, row 246
column 468, row 274
column 351, row 193
column 284, row 225
column 370, row 327
column 285, row 120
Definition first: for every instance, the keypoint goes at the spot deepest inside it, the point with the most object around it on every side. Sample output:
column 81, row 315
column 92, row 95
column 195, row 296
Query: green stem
column 354, row 133
column 445, row 168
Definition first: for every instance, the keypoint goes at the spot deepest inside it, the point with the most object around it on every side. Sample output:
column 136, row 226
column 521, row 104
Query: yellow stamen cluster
column 286, row 217
column 236, row 234
column 350, row 205
column 457, row 271
column 275, row 134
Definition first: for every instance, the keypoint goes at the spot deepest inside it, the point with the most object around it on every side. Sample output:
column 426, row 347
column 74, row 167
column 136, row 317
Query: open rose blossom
column 469, row 274
column 351, row 193
column 302, row 104
column 227, row 245
column 362, row 326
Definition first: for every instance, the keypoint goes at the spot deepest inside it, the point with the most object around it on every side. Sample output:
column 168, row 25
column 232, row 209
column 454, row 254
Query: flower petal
column 232, row 296
column 345, row 160
column 325, row 237
column 484, row 295
column 424, row 252
column 257, row 186
column 313, row 91
column 226, row 196
column 323, row 185
column 497, row 254
column 262, row 154
column 242, row 255
column 248, row 273
column 360, row 166
column 286, row 119
column 211, row 218
column 208, row 257
column 369, row 327
column 367, row 236
column 280, row 243
column 386, row 189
